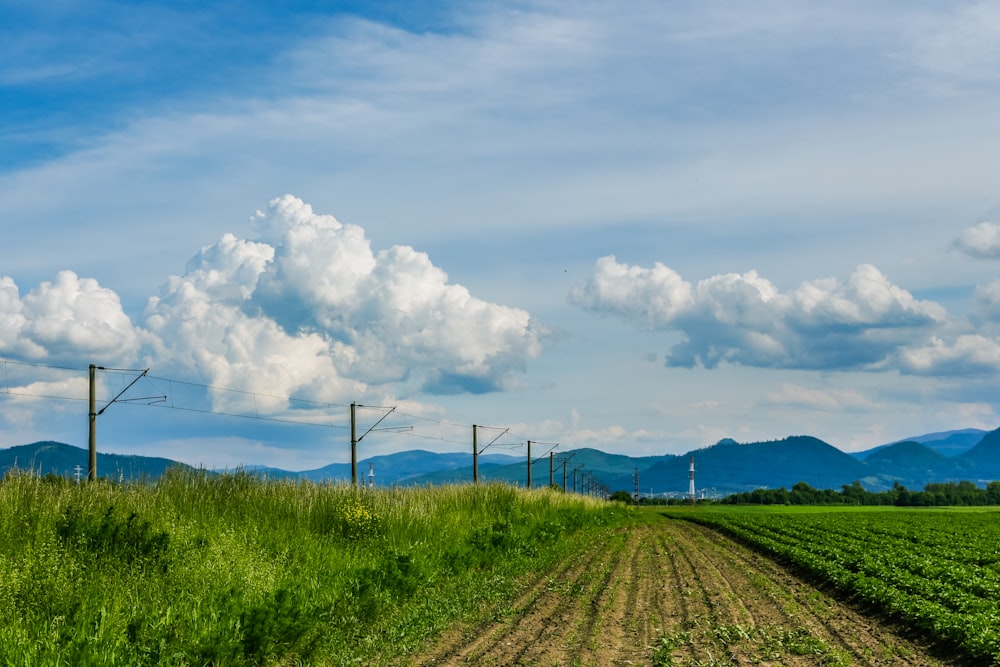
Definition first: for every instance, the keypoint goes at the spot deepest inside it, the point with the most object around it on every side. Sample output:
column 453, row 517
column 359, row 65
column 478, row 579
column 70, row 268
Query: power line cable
column 245, row 416
column 48, row 396
column 41, row 365
column 171, row 403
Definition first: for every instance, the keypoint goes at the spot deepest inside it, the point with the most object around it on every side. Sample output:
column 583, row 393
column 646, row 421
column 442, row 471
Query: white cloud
column 653, row 297
column 12, row 322
column 24, row 402
column 744, row 319
column 319, row 314
column 71, row 318
column 969, row 355
column 981, row 241
column 311, row 311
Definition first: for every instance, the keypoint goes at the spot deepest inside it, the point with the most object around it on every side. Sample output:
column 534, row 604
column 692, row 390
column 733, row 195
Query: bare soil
column 669, row 592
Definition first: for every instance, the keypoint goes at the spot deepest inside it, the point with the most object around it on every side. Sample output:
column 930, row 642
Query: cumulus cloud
column 969, row 354
column 308, row 310
column 745, row 319
column 23, row 395
column 312, row 310
column 71, row 318
column 981, row 241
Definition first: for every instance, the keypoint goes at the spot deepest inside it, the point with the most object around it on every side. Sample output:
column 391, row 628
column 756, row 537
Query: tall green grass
column 198, row 569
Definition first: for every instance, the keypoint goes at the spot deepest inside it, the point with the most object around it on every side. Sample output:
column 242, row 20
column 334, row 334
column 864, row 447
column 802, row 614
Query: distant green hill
column 723, row 468
column 947, row 443
column 982, row 462
column 728, row 466
column 401, row 467
column 913, row 465
column 57, row 458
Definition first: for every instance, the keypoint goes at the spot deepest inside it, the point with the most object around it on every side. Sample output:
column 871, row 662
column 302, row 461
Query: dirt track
column 673, row 593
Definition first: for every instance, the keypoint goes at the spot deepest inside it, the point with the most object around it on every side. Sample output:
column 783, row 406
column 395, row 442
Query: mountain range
column 723, row 468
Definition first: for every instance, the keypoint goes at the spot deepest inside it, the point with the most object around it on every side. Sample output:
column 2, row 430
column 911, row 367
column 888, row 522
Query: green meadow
column 198, row 569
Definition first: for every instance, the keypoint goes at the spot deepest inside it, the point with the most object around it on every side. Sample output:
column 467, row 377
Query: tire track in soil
column 671, row 592
column 679, row 611
column 538, row 634
column 544, row 599
column 568, row 631
column 602, row 637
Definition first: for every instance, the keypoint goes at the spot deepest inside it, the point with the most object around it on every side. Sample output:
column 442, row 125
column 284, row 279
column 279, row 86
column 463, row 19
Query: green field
column 197, row 569
column 935, row 570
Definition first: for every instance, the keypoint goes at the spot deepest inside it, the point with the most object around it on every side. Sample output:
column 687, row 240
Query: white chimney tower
column 691, row 495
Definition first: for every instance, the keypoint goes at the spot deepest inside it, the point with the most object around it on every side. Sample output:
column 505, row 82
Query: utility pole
column 355, row 438
column 475, row 455
column 92, row 439
column 552, row 481
column 564, row 461
column 95, row 413
column 636, row 480
column 529, row 464
column 476, row 451
column 354, row 446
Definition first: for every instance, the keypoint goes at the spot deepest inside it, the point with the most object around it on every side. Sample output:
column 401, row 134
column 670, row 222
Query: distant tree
column 934, row 494
column 622, row 497
column 803, row 494
column 993, row 493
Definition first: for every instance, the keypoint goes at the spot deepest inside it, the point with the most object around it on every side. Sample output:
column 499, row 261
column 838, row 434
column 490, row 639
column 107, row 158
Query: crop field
column 673, row 593
column 196, row 569
column 934, row 570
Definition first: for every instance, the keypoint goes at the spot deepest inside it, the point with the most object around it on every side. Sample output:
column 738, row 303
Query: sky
column 641, row 228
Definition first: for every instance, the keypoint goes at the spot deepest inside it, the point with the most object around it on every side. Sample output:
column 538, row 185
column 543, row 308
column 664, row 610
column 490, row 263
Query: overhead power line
column 170, row 395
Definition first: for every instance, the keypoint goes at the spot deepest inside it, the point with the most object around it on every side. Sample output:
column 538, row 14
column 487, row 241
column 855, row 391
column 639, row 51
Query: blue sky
column 640, row 230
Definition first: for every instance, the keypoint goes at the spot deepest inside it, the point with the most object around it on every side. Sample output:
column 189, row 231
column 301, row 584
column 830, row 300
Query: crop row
column 937, row 571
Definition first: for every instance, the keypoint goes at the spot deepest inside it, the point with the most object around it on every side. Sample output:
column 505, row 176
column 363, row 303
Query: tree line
column 937, row 494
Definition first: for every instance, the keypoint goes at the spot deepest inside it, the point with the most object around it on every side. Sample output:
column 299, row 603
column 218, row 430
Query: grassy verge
column 197, row 570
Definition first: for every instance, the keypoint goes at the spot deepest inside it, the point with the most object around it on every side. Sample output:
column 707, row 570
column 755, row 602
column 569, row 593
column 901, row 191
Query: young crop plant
column 936, row 571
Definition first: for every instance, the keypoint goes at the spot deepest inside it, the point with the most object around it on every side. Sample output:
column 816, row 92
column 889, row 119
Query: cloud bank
column 745, row 319
column 308, row 309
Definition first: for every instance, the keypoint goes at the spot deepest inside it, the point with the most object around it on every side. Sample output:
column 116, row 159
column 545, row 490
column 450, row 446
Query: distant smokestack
column 691, row 495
